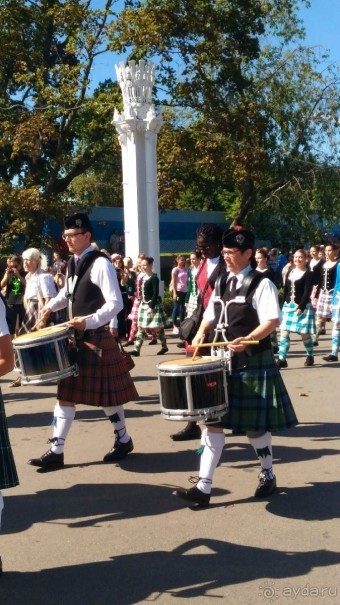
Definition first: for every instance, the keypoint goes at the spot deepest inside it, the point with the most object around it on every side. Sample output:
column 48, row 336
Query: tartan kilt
column 157, row 320
column 336, row 308
column 8, row 471
column 301, row 324
column 133, row 315
column 192, row 305
column 102, row 380
column 324, row 306
column 258, row 398
column 31, row 317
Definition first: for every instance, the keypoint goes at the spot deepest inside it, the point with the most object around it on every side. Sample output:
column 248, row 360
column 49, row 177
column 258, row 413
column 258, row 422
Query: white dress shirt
column 265, row 298
column 102, row 274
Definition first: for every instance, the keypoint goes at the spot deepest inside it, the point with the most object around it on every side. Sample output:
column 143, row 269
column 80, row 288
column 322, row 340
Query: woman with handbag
column 151, row 312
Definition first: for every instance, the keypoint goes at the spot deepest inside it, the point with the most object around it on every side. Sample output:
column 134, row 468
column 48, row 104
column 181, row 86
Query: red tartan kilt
column 133, row 315
column 102, row 380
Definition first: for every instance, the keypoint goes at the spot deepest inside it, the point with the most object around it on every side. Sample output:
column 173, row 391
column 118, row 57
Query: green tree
column 52, row 129
column 263, row 133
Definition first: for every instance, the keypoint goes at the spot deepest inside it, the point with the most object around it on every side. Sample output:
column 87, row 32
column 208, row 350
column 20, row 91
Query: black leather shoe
column 135, row 353
column 153, row 342
column 188, row 433
column 331, row 358
column 193, row 495
column 181, row 345
column 163, row 351
column 129, row 343
column 118, row 451
column 282, row 363
column 309, row 361
column 48, row 460
column 266, row 486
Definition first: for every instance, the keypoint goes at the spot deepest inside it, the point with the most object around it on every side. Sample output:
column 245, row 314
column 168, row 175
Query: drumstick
column 65, row 323
column 222, row 344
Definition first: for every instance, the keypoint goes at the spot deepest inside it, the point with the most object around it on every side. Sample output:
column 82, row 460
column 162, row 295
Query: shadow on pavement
column 198, row 568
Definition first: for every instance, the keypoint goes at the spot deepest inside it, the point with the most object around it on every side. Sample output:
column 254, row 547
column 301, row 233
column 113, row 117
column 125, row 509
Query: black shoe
column 266, row 485
column 163, row 351
column 181, row 345
column 282, row 363
column 315, row 343
column 188, row 433
column 331, row 358
column 193, row 495
column 118, row 451
column 309, row 361
column 153, row 342
column 48, row 460
column 322, row 332
column 129, row 343
column 135, row 353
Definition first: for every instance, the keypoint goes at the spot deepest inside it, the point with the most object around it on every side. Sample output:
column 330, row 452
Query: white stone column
column 138, row 126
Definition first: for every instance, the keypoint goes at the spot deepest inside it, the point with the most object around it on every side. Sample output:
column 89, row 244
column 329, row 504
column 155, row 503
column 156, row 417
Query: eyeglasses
column 67, row 236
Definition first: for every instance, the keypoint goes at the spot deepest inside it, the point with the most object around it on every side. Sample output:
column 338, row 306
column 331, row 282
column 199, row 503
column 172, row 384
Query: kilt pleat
column 157, row 320
column 8, row 471
column 103, row 379
column 133, row 315
column 258, row 398
column 324, row 306
column 301, row 324
column 336, row 308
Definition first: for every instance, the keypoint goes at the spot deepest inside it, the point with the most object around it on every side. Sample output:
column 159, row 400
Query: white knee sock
column 263, row 450
column 63, row 418
column 1, row 506
column 116, row 415
column 213, row 445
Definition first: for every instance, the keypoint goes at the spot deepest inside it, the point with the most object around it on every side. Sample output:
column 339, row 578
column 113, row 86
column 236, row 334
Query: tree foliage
column 51, row 128
column 251, row 115
column 263, row 137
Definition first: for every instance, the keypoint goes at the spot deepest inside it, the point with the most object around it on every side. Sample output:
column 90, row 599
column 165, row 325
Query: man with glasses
column 258, row 400
column 92, row 296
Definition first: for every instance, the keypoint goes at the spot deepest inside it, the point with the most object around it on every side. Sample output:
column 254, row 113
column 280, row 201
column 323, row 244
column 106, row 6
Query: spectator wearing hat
column 93, row 298
column 258, row 400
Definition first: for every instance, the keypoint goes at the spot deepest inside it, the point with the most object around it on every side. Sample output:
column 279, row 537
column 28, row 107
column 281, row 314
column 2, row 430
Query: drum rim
column 56, row 333
column 210, row 361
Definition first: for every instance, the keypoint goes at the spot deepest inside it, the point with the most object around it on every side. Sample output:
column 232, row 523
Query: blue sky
column 322, row 23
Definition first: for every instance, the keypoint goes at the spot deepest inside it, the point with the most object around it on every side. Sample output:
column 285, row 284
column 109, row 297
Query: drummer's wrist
column 250, row 337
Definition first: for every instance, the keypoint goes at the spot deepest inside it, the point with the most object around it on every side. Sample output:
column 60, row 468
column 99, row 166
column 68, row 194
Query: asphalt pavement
column 107, row 534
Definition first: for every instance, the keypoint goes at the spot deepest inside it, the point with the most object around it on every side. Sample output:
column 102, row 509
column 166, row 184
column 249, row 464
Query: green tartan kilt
column 8, row 471
column 258, row 398
column 157, row 320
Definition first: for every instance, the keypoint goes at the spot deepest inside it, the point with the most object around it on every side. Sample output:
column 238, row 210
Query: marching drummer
column 92, row 296
column 258, row 400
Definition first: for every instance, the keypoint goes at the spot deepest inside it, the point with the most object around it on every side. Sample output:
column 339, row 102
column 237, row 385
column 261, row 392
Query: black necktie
column 232, row 288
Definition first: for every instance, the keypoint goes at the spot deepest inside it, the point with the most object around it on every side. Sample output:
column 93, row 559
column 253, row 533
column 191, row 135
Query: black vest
column 86, row 298
column 243, row 318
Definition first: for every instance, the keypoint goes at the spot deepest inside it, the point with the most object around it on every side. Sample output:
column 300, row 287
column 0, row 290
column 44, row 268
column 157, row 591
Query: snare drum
column 43, row 355
column 193, row 390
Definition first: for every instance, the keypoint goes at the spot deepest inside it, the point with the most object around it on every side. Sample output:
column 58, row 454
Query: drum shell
column 43, row 356
column 194, row 391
